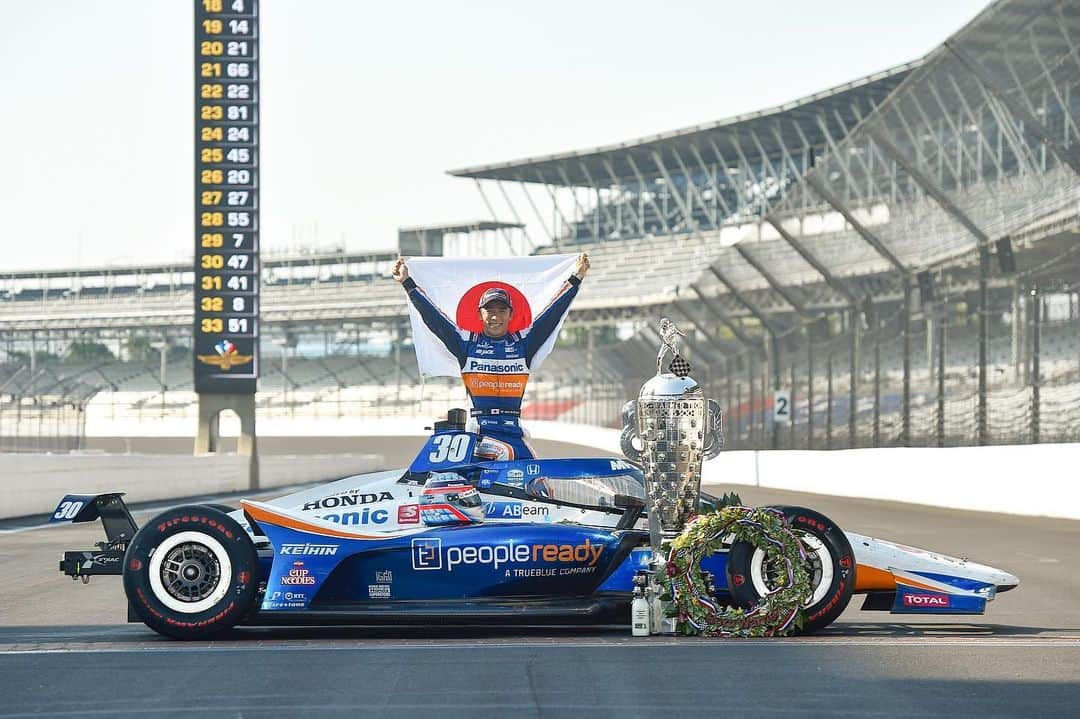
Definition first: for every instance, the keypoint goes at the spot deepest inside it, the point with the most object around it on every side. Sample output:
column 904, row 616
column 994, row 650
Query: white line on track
column 999, row 643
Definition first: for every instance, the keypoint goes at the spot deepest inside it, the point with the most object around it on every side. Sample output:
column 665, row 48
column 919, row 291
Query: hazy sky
column 366, row 105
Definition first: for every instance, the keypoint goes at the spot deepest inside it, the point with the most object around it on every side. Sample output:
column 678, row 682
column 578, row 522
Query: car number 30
column 68, row 510
column 449, row 448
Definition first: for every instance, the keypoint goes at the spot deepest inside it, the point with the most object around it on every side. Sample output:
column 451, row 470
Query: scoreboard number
column 226, row 331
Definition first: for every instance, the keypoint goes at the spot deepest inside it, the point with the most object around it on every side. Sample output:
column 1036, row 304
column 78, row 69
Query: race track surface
column 66, row 650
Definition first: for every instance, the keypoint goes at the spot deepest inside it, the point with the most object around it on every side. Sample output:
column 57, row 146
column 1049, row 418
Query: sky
column 365, row 106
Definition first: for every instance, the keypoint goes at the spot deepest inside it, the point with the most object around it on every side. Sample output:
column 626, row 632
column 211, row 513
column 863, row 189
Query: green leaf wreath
column 697, row 612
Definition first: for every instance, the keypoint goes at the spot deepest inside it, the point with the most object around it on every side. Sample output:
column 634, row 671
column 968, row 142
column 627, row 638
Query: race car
column 456, row 540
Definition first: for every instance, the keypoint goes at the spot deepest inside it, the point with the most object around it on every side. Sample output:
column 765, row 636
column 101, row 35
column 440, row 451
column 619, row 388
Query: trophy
column 677, row 428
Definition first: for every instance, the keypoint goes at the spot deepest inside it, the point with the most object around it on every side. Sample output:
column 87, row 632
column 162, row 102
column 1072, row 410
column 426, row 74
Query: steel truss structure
column 826, row 213
column 885, row 249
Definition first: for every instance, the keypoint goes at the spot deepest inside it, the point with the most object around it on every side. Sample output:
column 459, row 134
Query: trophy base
column 659, row 622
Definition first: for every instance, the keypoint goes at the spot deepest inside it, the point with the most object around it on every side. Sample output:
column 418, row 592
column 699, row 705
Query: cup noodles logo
column 938, row 601
column 298, row 575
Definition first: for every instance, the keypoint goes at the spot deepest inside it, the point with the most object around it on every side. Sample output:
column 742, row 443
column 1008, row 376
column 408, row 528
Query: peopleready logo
column 496, row 366
column 428, row 553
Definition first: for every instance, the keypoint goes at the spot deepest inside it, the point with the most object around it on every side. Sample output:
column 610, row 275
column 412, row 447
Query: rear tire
column 832, row 561
column 191, row 572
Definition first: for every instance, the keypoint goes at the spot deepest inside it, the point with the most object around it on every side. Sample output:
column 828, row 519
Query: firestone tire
column 191, row 572
column 832, row 562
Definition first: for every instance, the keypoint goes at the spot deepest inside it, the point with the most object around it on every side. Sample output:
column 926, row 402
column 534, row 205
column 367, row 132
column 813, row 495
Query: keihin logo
column 496, row 366
column 306, row 550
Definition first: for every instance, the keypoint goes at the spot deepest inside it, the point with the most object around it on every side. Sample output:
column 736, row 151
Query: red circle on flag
column 468, row 312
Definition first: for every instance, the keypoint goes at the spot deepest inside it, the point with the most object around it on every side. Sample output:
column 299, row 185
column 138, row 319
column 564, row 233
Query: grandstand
column 900, row 253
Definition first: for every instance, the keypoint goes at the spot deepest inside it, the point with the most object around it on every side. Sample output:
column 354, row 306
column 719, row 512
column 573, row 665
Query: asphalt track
column 65, row 649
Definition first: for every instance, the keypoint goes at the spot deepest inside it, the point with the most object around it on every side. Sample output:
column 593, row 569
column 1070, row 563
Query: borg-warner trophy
column 677, row 428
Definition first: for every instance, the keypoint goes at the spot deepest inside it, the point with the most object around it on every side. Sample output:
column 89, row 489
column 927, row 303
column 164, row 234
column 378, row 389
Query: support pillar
column 853, row 387
column 905, row 425
column 828, row 401
column 941, row 382
column 984, row 318
column 1036, row 337
column 208, row 437
column 809, row 389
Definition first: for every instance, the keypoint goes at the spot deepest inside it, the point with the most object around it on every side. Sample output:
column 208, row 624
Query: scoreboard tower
column 226, row 332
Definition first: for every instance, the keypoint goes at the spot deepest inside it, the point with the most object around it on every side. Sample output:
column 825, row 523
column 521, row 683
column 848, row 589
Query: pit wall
column 1041, row 480
column 33, row 484
column 1033, row 480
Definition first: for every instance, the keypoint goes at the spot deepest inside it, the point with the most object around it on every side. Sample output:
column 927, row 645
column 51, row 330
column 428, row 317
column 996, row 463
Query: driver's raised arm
column 544, row 323
column 437, row 321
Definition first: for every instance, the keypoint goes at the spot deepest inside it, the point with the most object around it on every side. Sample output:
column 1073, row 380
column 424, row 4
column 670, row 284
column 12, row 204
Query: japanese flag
column 454, row 285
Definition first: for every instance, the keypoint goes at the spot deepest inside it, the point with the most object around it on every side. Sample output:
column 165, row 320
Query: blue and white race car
column 452, row 540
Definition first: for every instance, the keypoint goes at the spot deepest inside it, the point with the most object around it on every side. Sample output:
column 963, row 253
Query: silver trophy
column 677, row 428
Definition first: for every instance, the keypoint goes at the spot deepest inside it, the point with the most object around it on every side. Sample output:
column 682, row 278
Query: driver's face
column 495, row 316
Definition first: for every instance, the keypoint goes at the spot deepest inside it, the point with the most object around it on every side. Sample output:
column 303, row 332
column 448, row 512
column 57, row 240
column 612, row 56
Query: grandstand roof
column 844, row 103
column 268, row 262
column 466, row 226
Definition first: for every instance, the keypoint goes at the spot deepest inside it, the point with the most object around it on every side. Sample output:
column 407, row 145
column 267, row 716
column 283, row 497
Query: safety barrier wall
column 34, row 484
column 1032, row 479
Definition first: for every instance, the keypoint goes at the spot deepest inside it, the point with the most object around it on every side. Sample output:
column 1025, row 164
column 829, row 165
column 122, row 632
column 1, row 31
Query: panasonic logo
column 512, row 367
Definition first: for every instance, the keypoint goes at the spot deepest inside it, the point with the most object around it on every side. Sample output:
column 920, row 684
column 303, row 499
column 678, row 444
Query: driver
column 495, row 395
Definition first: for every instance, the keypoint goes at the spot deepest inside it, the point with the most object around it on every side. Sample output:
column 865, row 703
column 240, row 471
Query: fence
column 41, row 410
column 915, row 385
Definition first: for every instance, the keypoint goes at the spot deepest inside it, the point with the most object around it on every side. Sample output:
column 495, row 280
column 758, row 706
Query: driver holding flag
column 495, row 363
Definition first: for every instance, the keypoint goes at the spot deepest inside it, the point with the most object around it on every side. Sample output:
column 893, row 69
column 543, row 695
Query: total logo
column 940, row 601
column 367, row 515
column 428, row 553
column 514, row 510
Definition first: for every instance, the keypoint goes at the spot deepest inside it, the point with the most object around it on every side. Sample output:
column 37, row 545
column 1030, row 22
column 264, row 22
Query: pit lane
column 66, row 650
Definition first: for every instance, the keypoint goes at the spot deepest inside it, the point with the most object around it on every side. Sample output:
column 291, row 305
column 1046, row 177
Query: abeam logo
column 940, row 601
column 305, row 550
column 513, row 510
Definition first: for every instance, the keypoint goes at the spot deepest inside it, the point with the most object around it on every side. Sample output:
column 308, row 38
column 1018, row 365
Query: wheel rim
column 821, row 570
column 190, row 572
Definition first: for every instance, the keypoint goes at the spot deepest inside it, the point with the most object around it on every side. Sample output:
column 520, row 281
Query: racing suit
column 495, row 371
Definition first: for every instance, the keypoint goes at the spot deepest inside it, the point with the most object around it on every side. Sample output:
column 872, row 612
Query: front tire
column 191, row 572
column 832, row 563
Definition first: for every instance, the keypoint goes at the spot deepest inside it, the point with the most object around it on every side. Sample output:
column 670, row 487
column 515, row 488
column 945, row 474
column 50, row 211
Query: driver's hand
column 400, row 271
column 582, row 267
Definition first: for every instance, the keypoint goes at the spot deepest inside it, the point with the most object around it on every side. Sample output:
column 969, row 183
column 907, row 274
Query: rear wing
column 119, row 526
